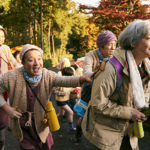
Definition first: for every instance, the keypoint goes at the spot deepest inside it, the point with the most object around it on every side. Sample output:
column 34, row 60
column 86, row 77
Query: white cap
column 5, row 32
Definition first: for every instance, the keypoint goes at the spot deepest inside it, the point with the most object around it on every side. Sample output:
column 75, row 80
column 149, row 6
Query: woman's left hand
column 84, row 79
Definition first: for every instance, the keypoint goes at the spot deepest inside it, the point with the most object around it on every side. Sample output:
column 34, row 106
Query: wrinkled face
column 108, row 49
column 64, row 64
column 2, row 37
column 33, row 63
column 142, row 49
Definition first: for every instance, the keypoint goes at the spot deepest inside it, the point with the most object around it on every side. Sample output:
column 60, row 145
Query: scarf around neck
column 34, row 79
column 101, row 56
column 136, row 82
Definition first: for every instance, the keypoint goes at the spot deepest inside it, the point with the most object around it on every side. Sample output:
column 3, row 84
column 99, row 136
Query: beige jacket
column 14, row 82
column 5, row 52
column 108, row 121
column 91, row 62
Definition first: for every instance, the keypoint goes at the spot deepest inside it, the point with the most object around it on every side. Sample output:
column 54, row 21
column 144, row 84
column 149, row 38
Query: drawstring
column 29, row 122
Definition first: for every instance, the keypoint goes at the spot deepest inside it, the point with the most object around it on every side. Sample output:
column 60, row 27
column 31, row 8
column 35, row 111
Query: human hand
column 84, row 79
column 137, row 116
column 11, row 111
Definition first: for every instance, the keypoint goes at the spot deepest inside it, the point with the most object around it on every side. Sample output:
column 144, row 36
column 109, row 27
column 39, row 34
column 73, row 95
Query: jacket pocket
column 115, row 123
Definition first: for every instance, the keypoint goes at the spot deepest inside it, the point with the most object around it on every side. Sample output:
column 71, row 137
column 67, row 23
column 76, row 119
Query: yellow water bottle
column 52, row 117
column 138, row 130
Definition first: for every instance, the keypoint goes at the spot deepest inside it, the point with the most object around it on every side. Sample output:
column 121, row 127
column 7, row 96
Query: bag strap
column 119, row 76
column 4, row 60
column 118, row 66
column 5, row 55
column 8, row 62
column 37, row 98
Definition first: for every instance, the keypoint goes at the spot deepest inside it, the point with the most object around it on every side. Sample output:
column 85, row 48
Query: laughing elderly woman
column 111, row 121
column 42, row 81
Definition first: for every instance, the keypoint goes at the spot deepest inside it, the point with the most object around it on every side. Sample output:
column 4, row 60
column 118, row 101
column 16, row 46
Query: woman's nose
column 113, row 47
column 36, row 62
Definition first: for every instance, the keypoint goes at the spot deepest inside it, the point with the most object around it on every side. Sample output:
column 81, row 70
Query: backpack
column 82, row 104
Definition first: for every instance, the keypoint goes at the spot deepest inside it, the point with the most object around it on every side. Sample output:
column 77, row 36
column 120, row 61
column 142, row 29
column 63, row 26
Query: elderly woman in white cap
column 20, row 84
column 5, row 57
column 64, row 62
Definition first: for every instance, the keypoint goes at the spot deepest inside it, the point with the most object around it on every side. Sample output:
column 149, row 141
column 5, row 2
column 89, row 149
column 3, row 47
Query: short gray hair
column 133, row 33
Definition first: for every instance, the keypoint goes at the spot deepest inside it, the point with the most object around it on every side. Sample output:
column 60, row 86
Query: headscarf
column 28, row 47
column 104, row 38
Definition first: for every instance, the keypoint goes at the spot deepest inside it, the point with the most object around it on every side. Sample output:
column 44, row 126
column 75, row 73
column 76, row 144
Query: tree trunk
column 30, row 32
column 53, row 43
column 49, row 40
column 35, row 30
column 60, row 46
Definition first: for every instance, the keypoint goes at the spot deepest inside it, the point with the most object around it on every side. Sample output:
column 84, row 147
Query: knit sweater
column 91, row 62
column 14, row 82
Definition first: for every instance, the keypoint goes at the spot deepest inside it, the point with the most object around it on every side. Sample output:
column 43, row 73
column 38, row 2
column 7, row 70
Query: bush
column 47, row 63
column 79, row 55
column 53, row 61
column 69, row 56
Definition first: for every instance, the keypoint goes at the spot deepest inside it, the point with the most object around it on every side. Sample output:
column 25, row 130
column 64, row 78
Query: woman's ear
column 133, row 45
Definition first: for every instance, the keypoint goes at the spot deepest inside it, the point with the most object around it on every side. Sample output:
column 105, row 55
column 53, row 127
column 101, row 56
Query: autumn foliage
column 115, row 15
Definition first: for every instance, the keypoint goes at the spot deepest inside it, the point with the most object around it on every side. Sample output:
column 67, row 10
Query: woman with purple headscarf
column 106, row 44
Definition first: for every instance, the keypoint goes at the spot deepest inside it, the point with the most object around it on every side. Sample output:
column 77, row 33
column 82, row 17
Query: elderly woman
column 5, row 57
column 64, row 62
column 21, row 85
column 106, row 44
column 111, row 122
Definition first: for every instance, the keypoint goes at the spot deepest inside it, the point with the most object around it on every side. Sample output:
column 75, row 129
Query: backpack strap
column 119, row 76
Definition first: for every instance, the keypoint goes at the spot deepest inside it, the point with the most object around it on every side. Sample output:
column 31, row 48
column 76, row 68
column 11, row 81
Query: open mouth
column 36, row 70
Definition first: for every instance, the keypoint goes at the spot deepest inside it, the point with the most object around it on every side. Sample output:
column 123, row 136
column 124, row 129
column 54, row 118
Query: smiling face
column 2, row 37
column 33, row 63
column 142, row 49
column 108, row 49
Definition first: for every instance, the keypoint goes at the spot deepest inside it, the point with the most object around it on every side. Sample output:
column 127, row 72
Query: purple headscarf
column 104, row 38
